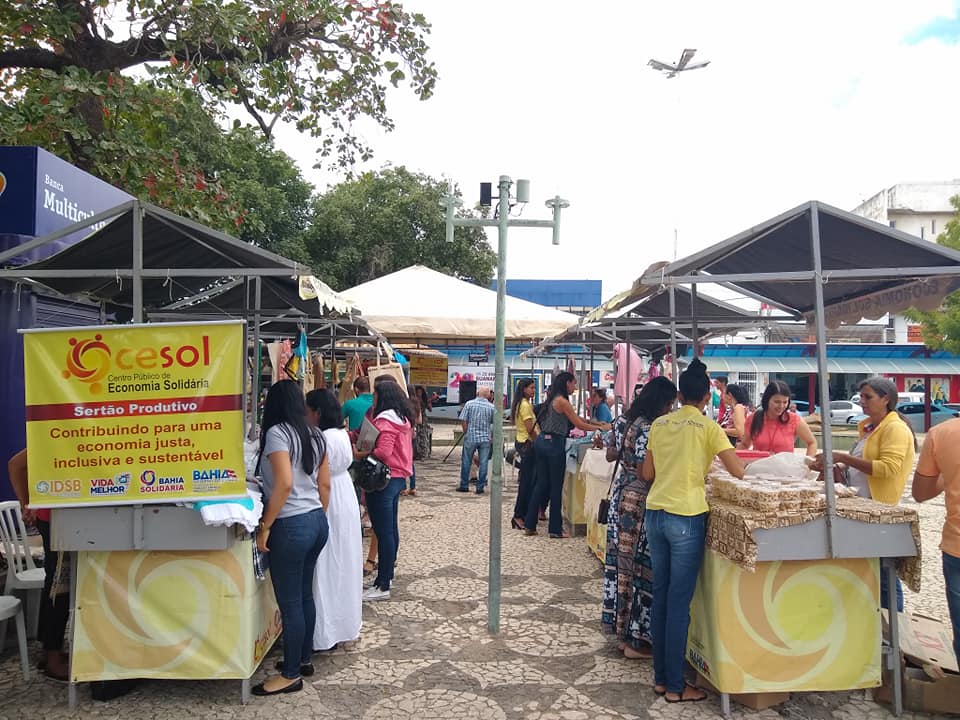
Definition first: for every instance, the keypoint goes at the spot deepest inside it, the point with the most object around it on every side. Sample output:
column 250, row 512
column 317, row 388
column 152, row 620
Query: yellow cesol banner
column 126, row 414
column 429, row 371
column 171, row 615
column 789, row 626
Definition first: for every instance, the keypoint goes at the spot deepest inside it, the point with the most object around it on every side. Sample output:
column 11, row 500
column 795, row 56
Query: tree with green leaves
column 68, row 82
column 385, row 221
column 941, row 329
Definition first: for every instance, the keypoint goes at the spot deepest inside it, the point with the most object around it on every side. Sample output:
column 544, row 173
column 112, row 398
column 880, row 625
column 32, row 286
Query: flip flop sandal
column 687, row 699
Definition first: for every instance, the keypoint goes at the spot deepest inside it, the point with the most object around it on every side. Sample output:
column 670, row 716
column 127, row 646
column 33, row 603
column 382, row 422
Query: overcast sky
column 818, row 100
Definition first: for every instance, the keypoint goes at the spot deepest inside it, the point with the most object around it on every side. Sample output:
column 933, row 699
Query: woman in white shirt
column 338, row 580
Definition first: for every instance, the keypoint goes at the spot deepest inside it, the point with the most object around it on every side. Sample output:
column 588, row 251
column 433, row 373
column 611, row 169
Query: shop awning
column 937, row 367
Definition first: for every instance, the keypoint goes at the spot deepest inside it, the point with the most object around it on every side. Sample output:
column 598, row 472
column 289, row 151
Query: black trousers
column 53, row 613
column 525, row 482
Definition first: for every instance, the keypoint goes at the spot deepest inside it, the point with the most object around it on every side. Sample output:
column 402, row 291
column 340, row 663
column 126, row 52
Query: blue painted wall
column 556, row 293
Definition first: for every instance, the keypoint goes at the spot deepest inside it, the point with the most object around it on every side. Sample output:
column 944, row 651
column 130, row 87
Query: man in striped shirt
column 476, row 418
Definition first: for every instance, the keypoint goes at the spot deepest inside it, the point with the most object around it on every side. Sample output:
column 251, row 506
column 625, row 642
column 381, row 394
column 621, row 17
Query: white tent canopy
column 423, row 304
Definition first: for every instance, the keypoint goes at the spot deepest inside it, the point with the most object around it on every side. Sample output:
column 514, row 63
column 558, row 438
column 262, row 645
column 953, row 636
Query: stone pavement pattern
column 426, row 652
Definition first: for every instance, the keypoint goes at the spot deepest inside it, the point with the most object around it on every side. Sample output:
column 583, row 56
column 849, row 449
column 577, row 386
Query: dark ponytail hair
column 390, row 396
column 653, row 398
column 559, row 386
column 739, row 393
column 775, row 387
column 694, row 382
column 327, row 406
column 285, row 407
column 522, row 384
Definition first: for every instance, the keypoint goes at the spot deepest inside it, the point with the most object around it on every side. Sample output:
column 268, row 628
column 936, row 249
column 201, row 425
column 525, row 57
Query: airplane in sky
column 682, row 66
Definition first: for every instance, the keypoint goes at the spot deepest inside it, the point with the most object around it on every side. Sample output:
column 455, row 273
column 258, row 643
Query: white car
column 840, row 410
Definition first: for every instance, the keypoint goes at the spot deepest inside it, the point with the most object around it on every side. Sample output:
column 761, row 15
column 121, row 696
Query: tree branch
column 33, row 58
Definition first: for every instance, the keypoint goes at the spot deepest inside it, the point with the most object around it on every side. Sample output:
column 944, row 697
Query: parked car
column 803, row 407
column 914, row 414
column 841, row 410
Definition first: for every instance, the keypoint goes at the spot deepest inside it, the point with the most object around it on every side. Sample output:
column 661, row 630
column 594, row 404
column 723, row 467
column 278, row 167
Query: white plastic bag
column 782, row 466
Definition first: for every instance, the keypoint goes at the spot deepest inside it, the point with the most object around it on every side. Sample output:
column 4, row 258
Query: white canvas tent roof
column 418, row 303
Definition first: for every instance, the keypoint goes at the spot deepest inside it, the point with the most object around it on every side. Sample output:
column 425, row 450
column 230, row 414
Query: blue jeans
column 383, row 507
column 466, row 458
column 295, row 543
column 550, row 453
column 951, row 578
column 676, row 551
column 884, row 602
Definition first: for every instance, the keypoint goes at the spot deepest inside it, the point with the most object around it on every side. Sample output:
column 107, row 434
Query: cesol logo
column 89, row 360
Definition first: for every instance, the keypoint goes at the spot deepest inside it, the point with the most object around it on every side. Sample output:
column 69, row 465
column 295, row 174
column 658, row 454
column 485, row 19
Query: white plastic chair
column 22, row 574
column 11, row 607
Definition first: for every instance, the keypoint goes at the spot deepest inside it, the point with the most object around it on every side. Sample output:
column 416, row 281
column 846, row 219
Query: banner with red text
column 126, row 414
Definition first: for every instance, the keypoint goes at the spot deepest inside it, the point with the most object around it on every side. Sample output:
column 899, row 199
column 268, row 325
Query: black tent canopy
column 146, row 257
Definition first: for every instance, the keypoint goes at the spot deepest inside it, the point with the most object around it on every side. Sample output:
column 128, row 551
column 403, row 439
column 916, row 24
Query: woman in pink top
column 773, row 428
column 394, row 418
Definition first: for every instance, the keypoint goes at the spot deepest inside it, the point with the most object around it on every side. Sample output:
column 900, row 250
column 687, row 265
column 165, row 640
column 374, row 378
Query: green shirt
column 354, row 410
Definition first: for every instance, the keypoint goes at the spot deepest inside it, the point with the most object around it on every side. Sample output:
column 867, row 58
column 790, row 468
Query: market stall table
column 596, row 472
column 774, row 612
column 575, row 515
column 157, row 594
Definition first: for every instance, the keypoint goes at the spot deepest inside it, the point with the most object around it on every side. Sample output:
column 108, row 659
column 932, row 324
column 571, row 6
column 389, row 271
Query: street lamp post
column 502, row 222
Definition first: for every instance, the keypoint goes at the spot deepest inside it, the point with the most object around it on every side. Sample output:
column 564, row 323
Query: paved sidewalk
column 426, row 653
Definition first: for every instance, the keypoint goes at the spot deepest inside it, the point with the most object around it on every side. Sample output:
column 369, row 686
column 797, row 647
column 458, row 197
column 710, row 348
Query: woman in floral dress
column 627, row 576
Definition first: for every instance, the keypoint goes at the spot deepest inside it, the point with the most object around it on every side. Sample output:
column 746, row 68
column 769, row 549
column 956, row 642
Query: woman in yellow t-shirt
column 679, row 452
column 522, row 415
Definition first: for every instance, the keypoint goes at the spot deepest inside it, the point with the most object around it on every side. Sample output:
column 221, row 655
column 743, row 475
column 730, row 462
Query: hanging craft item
column 319, row 381
column 352, row 373
column 334, row 374
column 279, row 353
column 393, row 369
column 296, row 365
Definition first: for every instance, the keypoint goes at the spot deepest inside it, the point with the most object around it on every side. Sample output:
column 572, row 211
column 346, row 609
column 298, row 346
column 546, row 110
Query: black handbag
column 369, row 474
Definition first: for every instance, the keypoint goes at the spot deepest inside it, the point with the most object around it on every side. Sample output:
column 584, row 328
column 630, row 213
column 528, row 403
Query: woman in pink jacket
column 393, row 417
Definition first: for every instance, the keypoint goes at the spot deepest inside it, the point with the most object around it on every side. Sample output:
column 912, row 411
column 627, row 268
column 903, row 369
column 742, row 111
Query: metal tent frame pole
column 137, row 263
column 673, row 332
column 822, row 370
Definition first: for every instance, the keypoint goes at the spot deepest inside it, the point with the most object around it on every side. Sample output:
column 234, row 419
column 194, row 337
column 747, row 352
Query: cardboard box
column 924, row 640
column 922, row 693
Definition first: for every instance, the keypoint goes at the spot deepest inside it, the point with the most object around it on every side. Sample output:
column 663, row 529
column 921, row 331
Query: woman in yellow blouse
column 522, row 415
column 882, row 460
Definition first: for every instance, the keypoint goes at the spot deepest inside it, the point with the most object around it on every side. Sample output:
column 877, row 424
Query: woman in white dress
column 338, row 579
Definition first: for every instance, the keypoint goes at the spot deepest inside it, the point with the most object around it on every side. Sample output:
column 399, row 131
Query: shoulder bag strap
column 613, row 478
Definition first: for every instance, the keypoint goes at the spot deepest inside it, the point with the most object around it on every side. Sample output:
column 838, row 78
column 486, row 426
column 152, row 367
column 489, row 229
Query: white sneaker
column 375, row 593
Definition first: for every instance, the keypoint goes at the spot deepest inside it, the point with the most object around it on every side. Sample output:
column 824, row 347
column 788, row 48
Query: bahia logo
column 3, row 183
column 89, row 360
column 215, row 474
column 148, row 478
